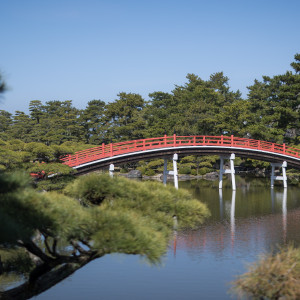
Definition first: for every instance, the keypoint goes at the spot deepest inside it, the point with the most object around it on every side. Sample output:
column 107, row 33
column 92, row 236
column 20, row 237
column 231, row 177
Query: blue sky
column 82, row 50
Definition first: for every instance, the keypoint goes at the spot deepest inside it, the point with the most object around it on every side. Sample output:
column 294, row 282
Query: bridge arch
column 102, row 156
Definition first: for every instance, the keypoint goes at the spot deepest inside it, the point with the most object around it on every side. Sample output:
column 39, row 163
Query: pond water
column 199, row 264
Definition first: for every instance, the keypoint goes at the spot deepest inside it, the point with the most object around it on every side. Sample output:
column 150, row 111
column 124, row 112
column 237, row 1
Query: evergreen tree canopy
column 97, row 215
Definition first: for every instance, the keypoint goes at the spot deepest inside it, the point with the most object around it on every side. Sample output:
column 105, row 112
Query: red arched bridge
column 123, row 152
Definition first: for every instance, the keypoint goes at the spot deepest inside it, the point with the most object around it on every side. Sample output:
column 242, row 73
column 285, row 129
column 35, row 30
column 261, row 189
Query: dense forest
column 270, row 112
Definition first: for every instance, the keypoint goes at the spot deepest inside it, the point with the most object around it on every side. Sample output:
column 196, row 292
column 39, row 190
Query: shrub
column 204, row 170
column 184, row 170
column 143, row 169
column 150, row 172
column 194, row 172
column 274, row 276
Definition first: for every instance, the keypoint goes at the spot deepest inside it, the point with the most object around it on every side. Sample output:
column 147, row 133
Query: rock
column 184, row 177
column 134, row 174
column 169, row 177
column 211, row 176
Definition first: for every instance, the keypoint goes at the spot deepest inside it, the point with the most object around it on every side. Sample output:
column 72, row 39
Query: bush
column 274, row 276
column 55, row 183
column 149, row 198
column 91, row 188
column 204, row 170
column 155, row 163
column 150, row 172
column 194, row 172
column 142, row 169
column 184, row 170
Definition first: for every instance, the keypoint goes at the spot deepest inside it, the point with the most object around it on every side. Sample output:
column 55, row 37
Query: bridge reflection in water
column 222, row 236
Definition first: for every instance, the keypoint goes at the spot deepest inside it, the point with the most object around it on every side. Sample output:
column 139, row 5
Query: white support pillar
column 175, row 158
column 111, row 170
column 221, row 172
column 272, row 175
column 283, row 177
column 230, row 171
column 165, row 171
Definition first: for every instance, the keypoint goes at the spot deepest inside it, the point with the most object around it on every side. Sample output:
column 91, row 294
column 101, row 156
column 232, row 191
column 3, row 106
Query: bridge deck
column 103, row 155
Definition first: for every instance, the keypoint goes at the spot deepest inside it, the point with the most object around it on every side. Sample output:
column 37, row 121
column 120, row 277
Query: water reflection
column 281, row 196
column 232, row 213
column 244, row 220
column 232, row 219
column 221, row 203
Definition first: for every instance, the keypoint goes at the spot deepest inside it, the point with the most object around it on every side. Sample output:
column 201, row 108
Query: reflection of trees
column 246, row 233
column 45, row 237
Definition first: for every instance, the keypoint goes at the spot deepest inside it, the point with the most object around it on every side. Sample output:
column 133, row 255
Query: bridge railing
column 113, row 149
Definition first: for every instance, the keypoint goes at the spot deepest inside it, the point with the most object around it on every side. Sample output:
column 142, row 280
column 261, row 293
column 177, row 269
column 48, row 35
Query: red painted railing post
column 232, row 140
column 77, row 159
column 174, row 139
column 283, row 146
column 111, row 149
column 204, row 140
column 165, row 139
column 222, row 139
column 258, row 144
column 103, row 148
column 194, row 140
column 144, row 144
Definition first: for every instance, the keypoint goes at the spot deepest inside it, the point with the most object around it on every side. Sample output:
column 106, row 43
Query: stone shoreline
column 258, row 173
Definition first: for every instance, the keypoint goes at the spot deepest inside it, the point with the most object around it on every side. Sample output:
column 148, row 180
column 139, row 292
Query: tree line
column 199, row 107
column 270, row 112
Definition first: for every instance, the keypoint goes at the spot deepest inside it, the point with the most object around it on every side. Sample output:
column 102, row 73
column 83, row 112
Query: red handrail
column 113, row 149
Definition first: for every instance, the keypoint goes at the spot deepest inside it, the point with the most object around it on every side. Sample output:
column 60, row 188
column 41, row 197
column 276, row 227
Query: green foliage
column 15, row 260
column 124, row 170
column 142, row 169
column 119, row 224
column 125, row 119
column 60, row 150
column 132, row 218
column 194, row 172
column 148, row 198
column 91, row 188
column 256, row 163
column 149, row 172
column 93, row 122
column 51, row 168
column 155, row 163
column 39, row 151
column 184, row 170
column 204, row 170
column 55, row 183
column 151, row 167
column 274, row 276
